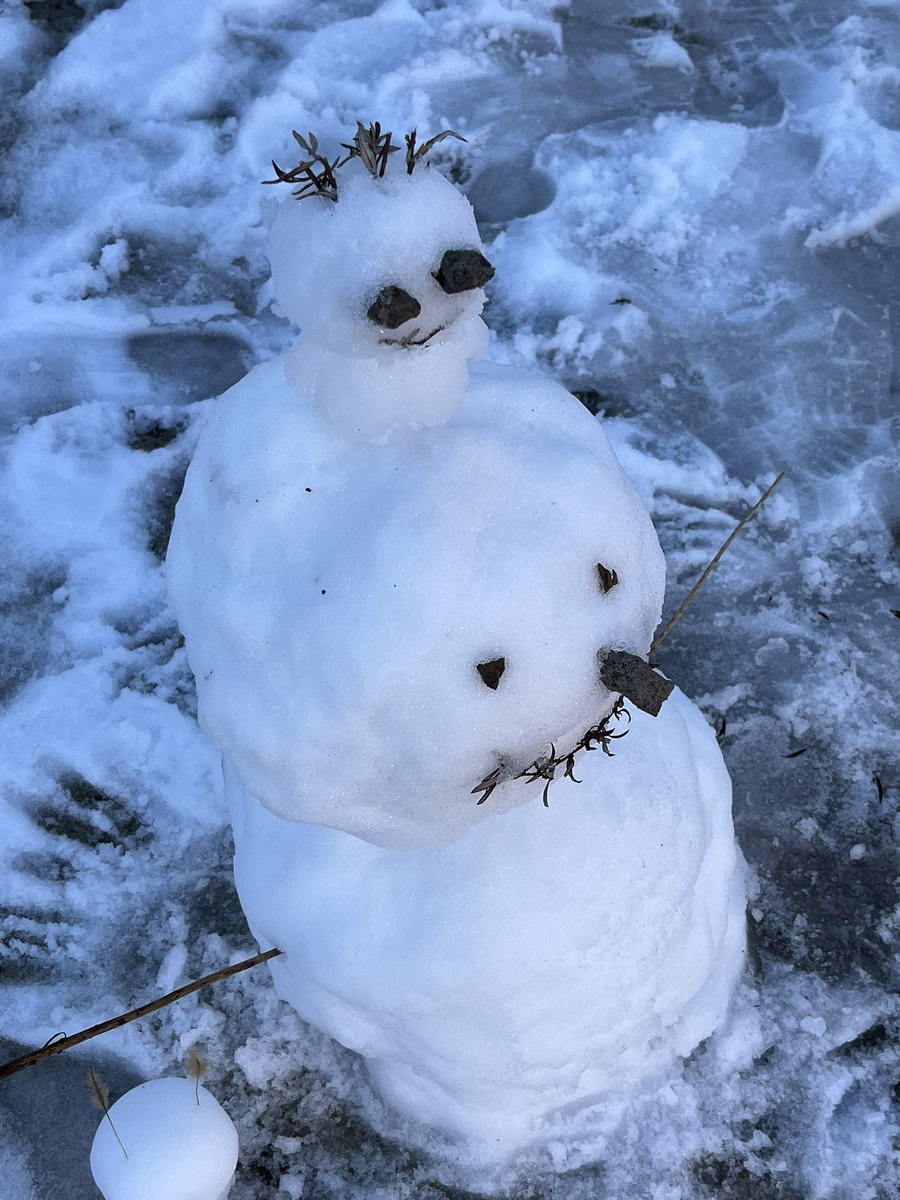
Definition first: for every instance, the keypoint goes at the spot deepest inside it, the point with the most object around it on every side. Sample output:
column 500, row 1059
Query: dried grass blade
column 100, row 1099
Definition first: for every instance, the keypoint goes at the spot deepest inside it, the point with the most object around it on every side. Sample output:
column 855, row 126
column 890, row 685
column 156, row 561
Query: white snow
column 135, row 124
column 174, row 1140
column 338, row 594
column 862, row 223
column 329, row 263
column 337, row 598
column 549, row 956
column 661, row 50
column 340, row 601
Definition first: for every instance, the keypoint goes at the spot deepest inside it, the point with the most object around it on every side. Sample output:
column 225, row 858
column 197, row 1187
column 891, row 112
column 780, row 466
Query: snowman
column 417, row 592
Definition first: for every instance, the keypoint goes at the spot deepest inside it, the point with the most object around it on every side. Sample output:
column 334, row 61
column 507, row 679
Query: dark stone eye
column 463, row 270
column 608, row 578
column 491, row 672
column 393, row 307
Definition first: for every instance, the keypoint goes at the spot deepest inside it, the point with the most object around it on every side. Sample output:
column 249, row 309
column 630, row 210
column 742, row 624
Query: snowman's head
column 393, row 268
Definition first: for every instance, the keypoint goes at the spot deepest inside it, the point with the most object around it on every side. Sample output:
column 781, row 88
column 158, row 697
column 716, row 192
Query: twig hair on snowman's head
column 317, row 174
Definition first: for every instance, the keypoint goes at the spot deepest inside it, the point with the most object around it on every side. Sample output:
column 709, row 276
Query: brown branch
column 682, row 608
column 56, row 1047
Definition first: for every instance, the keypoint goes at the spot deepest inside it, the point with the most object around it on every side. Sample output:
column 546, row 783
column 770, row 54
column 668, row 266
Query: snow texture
column 337, row 599
column 167, row 1137
column 331, row 260
column 477, row 577
column 548, row 957
column 709, row 258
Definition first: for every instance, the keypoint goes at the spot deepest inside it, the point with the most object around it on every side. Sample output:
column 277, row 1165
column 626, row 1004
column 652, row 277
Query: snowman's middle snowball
column 337, row 597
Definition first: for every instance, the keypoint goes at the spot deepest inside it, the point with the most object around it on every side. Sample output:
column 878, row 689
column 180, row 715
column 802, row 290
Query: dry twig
column 55, row 1046
column 413, row 155
column 316, row 175
column 545, row 768
column 195, row 1065
column 682, row 608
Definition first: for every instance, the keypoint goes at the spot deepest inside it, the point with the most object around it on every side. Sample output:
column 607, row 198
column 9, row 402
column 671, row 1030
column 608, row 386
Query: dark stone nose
column 393, row 307
column 632, row 677
column 462, row 270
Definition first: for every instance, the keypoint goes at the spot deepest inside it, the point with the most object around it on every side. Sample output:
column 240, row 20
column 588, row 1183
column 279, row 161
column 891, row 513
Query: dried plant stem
column 683, row 607
column 100, row 1098
column 196, row 1069
column 66, row 1043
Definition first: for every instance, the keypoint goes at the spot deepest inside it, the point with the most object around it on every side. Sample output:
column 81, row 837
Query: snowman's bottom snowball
column 548, row 956
column 180, row 1145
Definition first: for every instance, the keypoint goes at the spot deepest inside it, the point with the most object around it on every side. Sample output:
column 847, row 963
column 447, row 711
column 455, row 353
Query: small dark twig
column 413, row 338
column 487, row 785
column 413, row 155
column 315, row 174
column 144, row 1010
column 545, row 768
column 372, row 147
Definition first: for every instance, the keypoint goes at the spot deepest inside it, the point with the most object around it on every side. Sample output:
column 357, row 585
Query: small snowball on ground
column 814, row 1025
column 180, row 1145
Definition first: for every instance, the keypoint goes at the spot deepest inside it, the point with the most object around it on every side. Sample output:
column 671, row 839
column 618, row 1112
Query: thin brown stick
column 56, row 1047
column 682, row 608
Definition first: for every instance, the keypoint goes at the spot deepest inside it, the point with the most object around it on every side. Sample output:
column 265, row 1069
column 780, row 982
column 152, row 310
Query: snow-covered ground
column 694, row 215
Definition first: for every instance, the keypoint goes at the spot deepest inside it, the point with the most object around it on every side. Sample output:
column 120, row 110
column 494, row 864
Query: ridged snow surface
column 692, row 212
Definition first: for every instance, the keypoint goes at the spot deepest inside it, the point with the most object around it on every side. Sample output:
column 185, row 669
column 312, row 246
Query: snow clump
column 166, row 1138
column 337, row 599
column 332, row 261
column 550, row 956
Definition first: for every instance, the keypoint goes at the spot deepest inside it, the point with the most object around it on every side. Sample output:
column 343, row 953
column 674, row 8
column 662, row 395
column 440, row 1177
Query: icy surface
column 744, row 209
column 337, row 600
column 166, row 1137
column 549, row 956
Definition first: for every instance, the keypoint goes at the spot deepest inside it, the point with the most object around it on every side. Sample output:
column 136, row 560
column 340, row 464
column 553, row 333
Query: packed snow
column 167, row 1137
column 708, row 257
column 484, row 555
column 548, row 957
column 330, row 261
column 337, row 600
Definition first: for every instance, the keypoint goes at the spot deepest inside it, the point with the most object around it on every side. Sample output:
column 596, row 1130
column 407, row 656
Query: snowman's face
column 380, row 634
column 392, row 267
